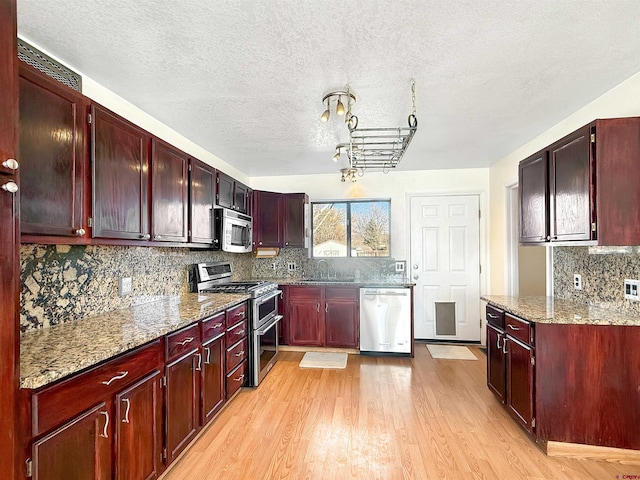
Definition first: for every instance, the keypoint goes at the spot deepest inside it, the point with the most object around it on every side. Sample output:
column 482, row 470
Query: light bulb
column 339, row 107
column 353, row 177
column 336, row 156
column 325, row 116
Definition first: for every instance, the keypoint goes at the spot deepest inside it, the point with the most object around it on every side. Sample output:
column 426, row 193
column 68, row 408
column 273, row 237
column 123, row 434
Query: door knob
column 416, row 277
column 415, row 266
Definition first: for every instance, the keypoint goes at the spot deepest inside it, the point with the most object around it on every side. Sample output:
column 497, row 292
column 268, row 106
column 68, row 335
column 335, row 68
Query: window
column 358, row 228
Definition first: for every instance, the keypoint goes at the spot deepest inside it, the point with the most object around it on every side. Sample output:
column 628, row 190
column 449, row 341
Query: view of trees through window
column 351, row 228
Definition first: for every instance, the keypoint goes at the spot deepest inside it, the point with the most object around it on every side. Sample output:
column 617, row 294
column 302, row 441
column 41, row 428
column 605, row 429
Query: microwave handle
column 249, row 234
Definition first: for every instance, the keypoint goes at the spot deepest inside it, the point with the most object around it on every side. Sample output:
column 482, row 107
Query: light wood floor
column 380, row 418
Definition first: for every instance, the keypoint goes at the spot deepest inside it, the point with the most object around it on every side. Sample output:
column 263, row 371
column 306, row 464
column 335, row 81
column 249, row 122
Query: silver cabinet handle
column 239, row 314
column 119, row 376
column 326, row 308
column 504, row 346
column 105, row 433
column 11, row 164
column 217, row 325
column 126, row 413
column 240, row 378
column 208, row 360
column 240, row 333
column 318, row 307
column 11, row 187
column 186, row 340
column 498, row 342
column 491, row 315
column 240, row 353
column 145, row 237
column 79, row 232
column 512, row 327
column 157, row 237
column 199, row 367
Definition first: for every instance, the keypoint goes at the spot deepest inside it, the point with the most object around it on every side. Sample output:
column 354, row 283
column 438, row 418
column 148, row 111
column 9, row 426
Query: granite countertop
column 387, row 282
column 541, row 309
column 50, row 354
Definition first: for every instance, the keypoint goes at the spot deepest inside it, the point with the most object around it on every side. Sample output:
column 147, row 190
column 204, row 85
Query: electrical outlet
column 125, row 286
column 631, row 290
column 577, row 281
column 291, row 266
column 274, row 266
column 400, row 266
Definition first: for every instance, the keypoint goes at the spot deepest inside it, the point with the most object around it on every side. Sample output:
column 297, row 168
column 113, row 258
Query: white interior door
column 445, row 265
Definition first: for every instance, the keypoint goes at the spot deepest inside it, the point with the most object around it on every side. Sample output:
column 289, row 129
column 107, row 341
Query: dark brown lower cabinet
column 79, row 450
column 213, row 378
column 519, row 382
column 138, row 424
column 496, row 364
column 305, row 322
column 181, row 402
column 340, row 328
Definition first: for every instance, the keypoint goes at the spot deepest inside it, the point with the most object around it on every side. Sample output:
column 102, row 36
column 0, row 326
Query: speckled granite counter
column 552, row 310
column 50, row 354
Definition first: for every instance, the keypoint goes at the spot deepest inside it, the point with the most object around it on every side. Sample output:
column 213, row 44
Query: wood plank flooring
column 381, row 418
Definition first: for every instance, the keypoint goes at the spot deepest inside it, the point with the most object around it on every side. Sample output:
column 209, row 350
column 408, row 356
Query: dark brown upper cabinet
column 202, row 197
column 120, row 161
column 232, row 194
column 279, row 219
column 295, row 205
column 592, row 190
column 534, row 198
column 169, row 193
column 53, row 157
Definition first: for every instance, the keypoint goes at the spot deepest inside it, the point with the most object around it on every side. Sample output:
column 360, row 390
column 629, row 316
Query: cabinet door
column 225, row 190
column 496, row 362
column 79, row 450
column 202, row 185
column 293, row 217
column 138, row 430
column 341, row 324
column 570, row 184
column 305, row 323
column 120, row 156
column 181, row 403
column 213, row 378
column 168, row 193
column 241, row 197
column 52, row 156
column 534, row 199
column 520, row 381
column 267, row 219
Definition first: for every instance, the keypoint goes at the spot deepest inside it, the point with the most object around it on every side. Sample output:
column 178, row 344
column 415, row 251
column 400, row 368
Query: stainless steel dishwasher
column 385, row 320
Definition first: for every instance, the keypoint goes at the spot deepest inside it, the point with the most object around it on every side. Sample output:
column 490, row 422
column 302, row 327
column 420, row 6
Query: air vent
column 47, row 65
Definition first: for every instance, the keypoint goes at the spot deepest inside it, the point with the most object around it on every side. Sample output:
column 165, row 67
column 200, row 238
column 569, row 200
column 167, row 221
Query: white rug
column 451, row 352
column 323, row 360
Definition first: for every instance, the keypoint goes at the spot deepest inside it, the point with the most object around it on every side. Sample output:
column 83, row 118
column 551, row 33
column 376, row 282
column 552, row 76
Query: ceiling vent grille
column 47, row 65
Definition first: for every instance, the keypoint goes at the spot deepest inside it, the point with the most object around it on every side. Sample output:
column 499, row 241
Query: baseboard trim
column 292, row 348
column 593, row 452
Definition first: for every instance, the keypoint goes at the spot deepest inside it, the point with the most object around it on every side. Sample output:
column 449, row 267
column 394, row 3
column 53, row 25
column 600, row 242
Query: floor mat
column 451, row 352
column 323, row 360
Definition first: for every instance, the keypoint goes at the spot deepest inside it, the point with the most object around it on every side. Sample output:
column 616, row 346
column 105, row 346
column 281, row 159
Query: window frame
column 348, row 203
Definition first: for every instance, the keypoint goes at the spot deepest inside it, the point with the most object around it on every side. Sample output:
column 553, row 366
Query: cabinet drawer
column 182, row 341
column 236, row 354
column 314, row 293
column 56, row 404
column 348, row 293
column 520, row 329
column 236, row 333
column 495, row 316
column 236, row 379
column 236, row 314
column 213, row 326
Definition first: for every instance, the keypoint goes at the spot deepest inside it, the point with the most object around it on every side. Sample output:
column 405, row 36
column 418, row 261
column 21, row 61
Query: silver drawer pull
column 105, row 433
column 239, row 314
column 126, row 413
column 186, row 340
column 217, row 325
column 241, row 332
column 491, row 315
column 513, row 328
column 240, row 353
column 239, row 379
column 119, row 376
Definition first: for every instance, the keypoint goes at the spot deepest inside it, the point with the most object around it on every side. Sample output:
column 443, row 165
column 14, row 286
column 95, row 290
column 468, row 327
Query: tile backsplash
column 61, row 283
column 603, row 271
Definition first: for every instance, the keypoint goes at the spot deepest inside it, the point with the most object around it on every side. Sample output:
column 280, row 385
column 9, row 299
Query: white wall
column 621, row 101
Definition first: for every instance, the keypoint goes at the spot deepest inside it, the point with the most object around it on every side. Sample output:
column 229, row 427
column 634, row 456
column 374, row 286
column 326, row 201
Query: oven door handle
column 261, row 300
column 268, row 326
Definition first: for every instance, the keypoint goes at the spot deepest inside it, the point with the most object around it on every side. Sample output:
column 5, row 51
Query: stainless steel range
column 264, row 318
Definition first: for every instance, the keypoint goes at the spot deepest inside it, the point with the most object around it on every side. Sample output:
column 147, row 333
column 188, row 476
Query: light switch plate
column 125, row 286
column 291, row 266
column 400, row 266
column 631, row 290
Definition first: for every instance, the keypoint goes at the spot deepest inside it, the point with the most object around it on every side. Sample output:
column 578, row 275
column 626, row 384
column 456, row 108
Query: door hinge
column 593, row 227
column 533, row 360
column 89, row 119
column 480, row 266
column 533, row 422
column 479, row 213
column 29, row 465
column 89, row 222
column 593, row 138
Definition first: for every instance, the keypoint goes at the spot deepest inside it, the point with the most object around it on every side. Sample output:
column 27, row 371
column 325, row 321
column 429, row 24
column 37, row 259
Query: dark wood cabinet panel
column 202, row 198
column 182, row 397
column 534, row 198
column 236, row 379
column 496, row 365
column 340, row 324
column 79, row 450
column 225, row 194
column 570, row 187
column 305, row 322
column 520, row 381
column 138, row 425
column 213, row 378
column 267, row 228
column 120, row 161
column 294, row 215
column 53, row 156
column 169, row 182
column 241, row 198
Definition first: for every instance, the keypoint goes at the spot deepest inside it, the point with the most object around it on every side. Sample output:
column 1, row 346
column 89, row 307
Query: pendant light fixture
column 340, row 109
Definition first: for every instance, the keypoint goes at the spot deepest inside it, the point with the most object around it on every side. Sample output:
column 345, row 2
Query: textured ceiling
column 244, row 79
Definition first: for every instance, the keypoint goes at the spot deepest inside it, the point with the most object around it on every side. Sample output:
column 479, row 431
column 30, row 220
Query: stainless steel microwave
column 234, row 230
